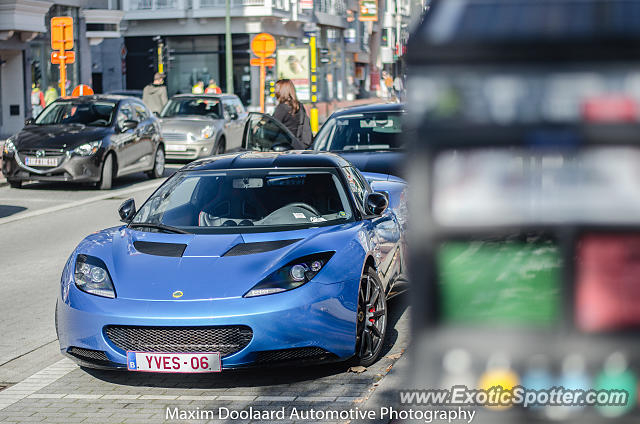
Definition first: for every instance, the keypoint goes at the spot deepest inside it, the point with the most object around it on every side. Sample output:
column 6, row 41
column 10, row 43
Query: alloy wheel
column 371, row 319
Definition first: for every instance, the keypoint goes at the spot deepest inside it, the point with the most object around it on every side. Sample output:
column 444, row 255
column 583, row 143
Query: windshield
column 96, row 114
column 192, row 106
column 362, row 131
column 202, row 202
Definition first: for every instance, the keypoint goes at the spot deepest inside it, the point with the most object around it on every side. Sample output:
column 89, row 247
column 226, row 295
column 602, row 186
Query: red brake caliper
column 371, row 311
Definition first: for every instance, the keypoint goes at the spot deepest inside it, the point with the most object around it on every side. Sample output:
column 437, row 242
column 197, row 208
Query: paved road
column 40, row 226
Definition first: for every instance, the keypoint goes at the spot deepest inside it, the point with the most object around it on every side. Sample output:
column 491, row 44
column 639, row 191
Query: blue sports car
column 253, row 258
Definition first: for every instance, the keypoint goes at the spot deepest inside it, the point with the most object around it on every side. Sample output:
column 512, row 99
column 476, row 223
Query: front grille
column 47, row 152
column 227, row 340
column 88, row 354
column 296, row 354
column 168, row 136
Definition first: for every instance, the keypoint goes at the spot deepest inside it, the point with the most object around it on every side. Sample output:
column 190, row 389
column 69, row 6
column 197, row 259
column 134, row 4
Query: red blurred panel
column 610, row 109
column 608, row 282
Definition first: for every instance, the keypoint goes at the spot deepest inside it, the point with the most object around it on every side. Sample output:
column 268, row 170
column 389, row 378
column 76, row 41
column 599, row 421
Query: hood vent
column 258, row 247
column 174, row 250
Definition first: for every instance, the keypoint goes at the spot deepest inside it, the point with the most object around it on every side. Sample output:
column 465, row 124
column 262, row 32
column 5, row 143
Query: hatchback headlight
column 293, row 275
column 206, row 132
column 87, row 149
column 92, row 277
column 9, row 147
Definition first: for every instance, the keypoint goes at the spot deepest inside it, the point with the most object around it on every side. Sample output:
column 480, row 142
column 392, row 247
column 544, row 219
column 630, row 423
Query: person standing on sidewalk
column 37, row 100
column 154, row 95
column 290, row 112
column 212, row 88
column 50, row 95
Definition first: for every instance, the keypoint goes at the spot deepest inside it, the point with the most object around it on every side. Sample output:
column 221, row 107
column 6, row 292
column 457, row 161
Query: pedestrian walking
column 154, row 95
column 388, row 83
column 212, row 88
column 292, row 114
column 50, row 95
column 37, row 99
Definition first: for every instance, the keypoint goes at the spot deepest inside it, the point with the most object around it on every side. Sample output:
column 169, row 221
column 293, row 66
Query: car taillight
column 609, row 109
column 607, row 282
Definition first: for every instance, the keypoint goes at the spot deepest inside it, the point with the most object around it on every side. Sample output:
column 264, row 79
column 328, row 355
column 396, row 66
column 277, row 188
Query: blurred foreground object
column 525, row 205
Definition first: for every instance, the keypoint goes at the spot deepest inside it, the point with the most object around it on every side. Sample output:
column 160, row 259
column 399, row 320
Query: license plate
column 40, row 161
column 176, row 148
column 174, row 362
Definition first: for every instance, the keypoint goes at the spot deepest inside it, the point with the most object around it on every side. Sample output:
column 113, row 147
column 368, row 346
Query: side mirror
column 126, row 210
column 129, row 124
column 29, row 121
column 376, row 203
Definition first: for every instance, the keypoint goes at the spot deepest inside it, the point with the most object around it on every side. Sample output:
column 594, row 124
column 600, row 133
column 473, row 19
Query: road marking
column 113, row 193
column 37, row 381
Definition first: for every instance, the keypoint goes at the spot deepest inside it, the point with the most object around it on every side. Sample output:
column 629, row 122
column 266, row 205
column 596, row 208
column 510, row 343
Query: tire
column 158, row 164
column 15, row 183
column 106, row 179
column 221, row 147
column 371, row 319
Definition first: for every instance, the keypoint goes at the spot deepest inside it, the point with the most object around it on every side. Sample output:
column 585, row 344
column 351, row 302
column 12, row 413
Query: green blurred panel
column 510, row 283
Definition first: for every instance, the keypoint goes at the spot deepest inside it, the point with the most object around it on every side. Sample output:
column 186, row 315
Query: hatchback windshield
column 96, row 114
column 192, row 106
column 201, row 201
column 362, row 131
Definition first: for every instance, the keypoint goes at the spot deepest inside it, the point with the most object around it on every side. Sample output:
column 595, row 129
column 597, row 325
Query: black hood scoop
column 174, row 250
column 258, row 247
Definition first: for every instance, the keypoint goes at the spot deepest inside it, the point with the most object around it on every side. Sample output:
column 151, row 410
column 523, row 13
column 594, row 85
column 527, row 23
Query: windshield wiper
column 166, row 228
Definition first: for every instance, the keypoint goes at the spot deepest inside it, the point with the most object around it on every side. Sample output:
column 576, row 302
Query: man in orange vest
column 212, row 88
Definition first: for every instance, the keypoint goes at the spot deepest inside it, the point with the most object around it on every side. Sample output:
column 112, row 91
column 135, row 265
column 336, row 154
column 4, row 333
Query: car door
column 125, row 142
column 384, row 230
column 146, row 131
column 265, row 134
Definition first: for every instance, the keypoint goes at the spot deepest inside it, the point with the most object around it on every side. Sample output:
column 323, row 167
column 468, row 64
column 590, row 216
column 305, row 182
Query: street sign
column 62, row 33
column 69, row 57
column 263, row 45
column 368, row 11
column 82, row 90
column 258, row 61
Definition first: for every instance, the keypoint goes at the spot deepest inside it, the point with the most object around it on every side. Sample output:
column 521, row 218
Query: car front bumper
column 189, row 151
column 315, row 316
column 69, row 168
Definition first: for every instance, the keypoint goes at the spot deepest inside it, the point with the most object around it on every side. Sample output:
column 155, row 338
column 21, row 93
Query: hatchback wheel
column 106, row 179
column 220, row 147
column 158, row 165
column 371, row 319
column 15, row 183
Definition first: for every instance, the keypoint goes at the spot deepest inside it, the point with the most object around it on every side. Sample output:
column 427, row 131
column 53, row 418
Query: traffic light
column 324, row 55
column 168, row 57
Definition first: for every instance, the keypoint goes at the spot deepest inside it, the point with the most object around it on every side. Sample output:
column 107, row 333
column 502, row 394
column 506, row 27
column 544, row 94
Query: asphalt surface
column 40, row 225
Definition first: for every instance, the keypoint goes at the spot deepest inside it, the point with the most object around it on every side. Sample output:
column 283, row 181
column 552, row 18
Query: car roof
column 94, row 97
column 376, row 107
column 250, row 159
column 212, row 95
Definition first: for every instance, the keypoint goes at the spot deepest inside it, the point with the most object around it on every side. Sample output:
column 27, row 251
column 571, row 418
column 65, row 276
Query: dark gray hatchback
column 86, row 139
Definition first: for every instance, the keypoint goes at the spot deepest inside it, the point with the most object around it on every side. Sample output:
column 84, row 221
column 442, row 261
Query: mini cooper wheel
column 220, row 147
column 158, row 165
column 371, row 319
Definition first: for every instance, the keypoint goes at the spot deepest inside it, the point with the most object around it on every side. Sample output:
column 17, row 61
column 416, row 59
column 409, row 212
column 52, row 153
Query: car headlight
column 293, row 275
column 92, row 277
column 87, row 149
column 206, row 132
column 9, row 147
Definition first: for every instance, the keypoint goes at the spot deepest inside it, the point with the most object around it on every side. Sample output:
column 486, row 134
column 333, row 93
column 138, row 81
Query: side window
column 142, row 114
column 238, row 105
column 356, row 185
column 125, row 113
column 229, row 109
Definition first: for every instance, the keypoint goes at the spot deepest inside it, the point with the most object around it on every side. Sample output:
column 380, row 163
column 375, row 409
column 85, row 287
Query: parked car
column 240, row 259
column 195, row 126
column 86, row 139
column 367, row 136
